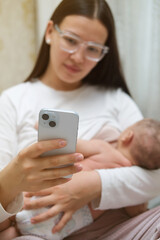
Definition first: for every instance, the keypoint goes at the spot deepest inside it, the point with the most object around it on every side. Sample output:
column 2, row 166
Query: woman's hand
column 66, row 198
column 30, row 172
column 99, row 154
column 84, row 186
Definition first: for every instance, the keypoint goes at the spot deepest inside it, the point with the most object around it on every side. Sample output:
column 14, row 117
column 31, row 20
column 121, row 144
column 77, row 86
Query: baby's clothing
column 80, row 218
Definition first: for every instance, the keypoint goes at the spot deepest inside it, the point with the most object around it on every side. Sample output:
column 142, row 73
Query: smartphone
column 55, row 123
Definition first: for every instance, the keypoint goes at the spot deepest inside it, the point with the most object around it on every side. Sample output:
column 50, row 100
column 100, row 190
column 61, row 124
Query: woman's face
column 66, row 70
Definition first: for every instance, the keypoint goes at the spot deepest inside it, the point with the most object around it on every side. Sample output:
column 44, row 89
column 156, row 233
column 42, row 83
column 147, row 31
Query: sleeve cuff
column 13, row 208
column 95, row 203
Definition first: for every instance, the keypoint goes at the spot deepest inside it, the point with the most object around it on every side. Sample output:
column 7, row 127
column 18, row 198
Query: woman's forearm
column 87, row 186
column 31, row 172
column 8, row 188
column 131, row 185
column 11, row 200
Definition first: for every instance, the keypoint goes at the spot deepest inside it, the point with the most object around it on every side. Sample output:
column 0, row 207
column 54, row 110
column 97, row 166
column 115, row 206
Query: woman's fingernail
column 79, row 157
column 78, row 167
column 62, row 143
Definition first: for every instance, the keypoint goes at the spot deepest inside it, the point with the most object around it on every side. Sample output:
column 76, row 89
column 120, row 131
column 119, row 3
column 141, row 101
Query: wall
column 17, row 41
column 44, row 11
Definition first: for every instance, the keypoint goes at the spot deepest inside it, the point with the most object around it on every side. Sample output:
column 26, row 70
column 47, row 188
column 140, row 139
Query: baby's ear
column 127, row 137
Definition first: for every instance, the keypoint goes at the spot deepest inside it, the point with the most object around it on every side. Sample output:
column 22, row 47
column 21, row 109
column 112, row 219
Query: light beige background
column 17, row 40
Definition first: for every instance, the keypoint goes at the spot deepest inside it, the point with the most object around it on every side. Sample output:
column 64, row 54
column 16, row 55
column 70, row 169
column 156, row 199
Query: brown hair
column 145, row 148
column 108, row 72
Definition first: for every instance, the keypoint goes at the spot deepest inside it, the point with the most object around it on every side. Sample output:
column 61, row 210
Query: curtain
column 17, row 41
column 138, row 32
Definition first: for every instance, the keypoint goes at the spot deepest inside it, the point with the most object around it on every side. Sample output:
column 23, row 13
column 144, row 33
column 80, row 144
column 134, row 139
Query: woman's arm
column 27, row 170
column 132, row 186
column 118, row 191
column 103, row 187
column 31, row 172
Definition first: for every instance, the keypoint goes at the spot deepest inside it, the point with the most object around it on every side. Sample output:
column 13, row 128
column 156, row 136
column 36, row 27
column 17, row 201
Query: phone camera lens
column 52, row 124
column 45, row 116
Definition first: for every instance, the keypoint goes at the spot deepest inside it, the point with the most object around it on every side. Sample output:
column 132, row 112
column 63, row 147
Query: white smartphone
column 55, row 123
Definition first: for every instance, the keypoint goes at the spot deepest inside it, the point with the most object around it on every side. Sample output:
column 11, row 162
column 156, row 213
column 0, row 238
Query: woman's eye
column 71, row 41
column 93, row 49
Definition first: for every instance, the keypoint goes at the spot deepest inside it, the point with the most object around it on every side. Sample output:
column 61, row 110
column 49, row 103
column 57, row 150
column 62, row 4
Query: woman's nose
column 79, row 55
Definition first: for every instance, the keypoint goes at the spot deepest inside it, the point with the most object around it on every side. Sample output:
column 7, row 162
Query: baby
column 140, row 143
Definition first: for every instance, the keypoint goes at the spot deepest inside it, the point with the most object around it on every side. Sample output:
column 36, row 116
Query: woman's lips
column 72, row 69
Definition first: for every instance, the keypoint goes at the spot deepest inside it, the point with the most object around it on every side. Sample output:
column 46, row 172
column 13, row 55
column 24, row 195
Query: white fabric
column 134, row 185
column 80, row 219
column 19, row 108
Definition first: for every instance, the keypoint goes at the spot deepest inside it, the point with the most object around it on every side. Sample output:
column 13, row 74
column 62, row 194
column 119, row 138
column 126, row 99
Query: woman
column 78, row 68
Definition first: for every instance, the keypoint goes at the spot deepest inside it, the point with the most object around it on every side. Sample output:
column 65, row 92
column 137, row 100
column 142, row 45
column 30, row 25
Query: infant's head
column 141, row 143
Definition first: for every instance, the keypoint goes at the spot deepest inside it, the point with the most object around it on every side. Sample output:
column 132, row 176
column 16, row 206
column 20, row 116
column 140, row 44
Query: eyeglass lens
column 71, row 44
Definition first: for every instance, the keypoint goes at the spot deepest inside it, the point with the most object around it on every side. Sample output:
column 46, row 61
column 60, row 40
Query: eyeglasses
column 71, row 43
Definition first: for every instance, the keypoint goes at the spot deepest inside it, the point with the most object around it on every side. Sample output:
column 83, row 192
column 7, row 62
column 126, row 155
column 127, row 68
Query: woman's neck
column 60, row 87
column 49, row 79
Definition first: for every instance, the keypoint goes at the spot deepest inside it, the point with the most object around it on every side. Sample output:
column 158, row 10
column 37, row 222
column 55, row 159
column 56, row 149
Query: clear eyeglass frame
column 72, row 43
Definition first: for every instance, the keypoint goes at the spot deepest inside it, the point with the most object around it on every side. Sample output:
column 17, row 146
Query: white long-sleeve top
column 19, row 109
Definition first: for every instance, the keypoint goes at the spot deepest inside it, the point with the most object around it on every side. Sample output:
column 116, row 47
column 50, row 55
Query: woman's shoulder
column 118, row 97
column 17, row 94
column 103, row 91
column 16, row 89
column 20, row 90
column 114, row 96
column 119, row 93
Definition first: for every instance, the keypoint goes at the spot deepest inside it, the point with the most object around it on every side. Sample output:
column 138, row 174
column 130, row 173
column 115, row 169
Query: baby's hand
column 9, row 234
column 4, row 225
column 7, row 231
